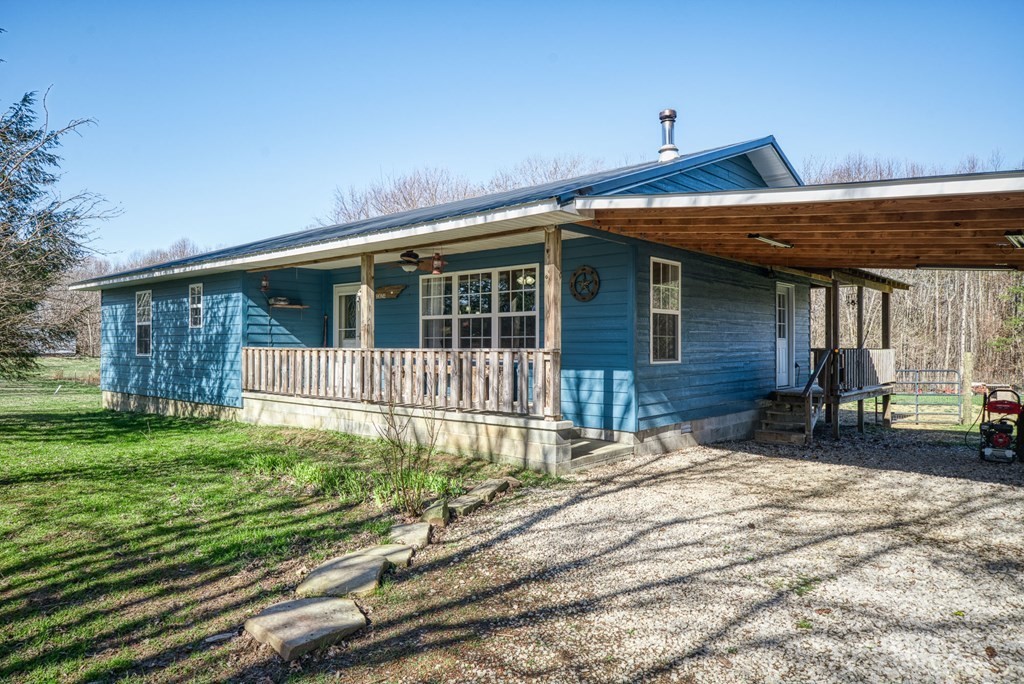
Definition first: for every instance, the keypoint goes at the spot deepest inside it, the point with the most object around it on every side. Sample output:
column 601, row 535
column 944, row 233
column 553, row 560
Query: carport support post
column 553, row 317
column 834, row 343
column 860, row 345
column 887, row 344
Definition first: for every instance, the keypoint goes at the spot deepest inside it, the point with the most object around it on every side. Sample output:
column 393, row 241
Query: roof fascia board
column 906, row 188
column 543, row 212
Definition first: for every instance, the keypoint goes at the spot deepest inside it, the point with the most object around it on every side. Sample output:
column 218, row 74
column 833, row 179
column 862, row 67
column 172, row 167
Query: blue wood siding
column 727, row 344
column 189, row 364
column 728, row 174
column 597, row 360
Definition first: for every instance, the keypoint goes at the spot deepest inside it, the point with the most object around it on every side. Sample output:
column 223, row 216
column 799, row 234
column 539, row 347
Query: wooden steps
column 784, row 421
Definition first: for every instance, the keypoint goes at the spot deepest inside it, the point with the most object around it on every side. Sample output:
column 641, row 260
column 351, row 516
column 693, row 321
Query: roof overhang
column 946, row 221
column 483, row 230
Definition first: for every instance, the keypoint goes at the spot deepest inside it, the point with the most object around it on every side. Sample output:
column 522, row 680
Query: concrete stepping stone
column 296, row 627
column 436, row 513
column 399, row 555
column 416, row 535
column 465, row 504
column 352, row 574
column 488, row 489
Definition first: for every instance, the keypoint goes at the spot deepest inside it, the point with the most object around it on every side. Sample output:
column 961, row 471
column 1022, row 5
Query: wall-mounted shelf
column 289, row 306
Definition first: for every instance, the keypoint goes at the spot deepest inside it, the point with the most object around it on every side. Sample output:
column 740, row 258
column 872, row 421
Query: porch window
column 195, row 306
column 480, row 309
column 665, row 318
column 144, row 323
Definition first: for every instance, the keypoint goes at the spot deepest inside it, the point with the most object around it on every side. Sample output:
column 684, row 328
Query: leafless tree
column 427, row 187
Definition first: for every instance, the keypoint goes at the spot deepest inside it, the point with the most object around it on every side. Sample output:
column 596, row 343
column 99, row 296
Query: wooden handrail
column 817, row 371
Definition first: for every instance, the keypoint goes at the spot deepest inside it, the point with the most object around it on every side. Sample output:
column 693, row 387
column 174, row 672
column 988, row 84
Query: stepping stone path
column 437, row 513
column 318, row 617
column 488, row 489
column 416, row 535
column 352, row 574
column 465, row 504
column 296, row 627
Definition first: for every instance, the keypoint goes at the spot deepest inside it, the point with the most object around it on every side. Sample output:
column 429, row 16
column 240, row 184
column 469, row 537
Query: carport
column 827, row 233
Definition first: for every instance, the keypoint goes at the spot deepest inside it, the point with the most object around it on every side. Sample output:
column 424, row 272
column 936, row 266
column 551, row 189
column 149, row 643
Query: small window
column 195, row 306
column 665, row 297
column 144, row 323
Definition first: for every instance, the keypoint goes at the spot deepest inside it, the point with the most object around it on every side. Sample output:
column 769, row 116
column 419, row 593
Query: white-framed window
column 144, row 323
column 494, row 308
column 195, row 305
column 665, row 307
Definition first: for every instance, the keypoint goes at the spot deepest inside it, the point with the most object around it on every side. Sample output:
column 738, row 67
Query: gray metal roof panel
column 564, row 190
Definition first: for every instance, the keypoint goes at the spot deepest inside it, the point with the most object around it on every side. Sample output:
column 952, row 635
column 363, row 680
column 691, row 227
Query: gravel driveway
column 889, row 557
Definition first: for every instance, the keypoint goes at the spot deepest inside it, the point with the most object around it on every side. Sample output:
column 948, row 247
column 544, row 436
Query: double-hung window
column 144, row 323
column 494, row 308
column 665, row 317
column 195, row 305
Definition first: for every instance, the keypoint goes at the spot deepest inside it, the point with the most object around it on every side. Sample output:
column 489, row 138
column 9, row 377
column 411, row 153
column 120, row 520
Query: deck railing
column 860, row 368
column 513, row 381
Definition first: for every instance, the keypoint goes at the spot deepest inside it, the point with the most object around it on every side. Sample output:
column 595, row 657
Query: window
column 665, row 285
column 480, row 309
column 195, row 306
column 144, row 323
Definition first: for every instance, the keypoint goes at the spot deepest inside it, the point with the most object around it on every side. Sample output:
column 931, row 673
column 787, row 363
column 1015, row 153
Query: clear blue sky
column 227, row 122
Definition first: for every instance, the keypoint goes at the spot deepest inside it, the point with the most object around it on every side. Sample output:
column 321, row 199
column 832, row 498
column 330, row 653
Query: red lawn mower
column 998, row 442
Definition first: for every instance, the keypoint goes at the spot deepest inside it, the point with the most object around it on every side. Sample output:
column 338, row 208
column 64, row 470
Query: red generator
column 1002, row 439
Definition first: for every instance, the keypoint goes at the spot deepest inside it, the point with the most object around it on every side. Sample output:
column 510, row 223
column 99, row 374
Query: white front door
column 784, row 295
column 346, row 315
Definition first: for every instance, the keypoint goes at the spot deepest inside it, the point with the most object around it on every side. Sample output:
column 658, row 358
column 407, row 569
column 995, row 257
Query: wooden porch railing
column 514, row 381
column 859, row 368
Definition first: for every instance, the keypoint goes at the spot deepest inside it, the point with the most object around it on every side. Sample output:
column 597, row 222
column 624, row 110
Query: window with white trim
column 480, row 309
column 665, row 316
column 195, row 305
column 144, row 323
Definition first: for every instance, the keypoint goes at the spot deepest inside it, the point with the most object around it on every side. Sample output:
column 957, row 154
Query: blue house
column 512, row 321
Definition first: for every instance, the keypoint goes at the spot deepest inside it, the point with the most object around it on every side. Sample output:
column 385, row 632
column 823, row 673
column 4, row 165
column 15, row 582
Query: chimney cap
column 667, row 115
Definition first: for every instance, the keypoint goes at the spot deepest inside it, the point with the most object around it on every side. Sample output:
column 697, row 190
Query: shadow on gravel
column 436, row 627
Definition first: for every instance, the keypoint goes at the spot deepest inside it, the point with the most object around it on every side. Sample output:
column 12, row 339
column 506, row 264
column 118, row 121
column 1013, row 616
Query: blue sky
column 228, row 122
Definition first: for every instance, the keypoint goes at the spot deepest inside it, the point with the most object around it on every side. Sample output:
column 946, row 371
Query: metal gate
column 928, row 395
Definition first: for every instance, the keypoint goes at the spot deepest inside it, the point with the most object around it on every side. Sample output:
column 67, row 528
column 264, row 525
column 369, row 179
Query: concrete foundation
column 541, row 445
column 137, row 403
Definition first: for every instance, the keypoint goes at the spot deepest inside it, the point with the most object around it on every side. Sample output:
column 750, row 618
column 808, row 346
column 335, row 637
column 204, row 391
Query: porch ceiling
column 947, row 222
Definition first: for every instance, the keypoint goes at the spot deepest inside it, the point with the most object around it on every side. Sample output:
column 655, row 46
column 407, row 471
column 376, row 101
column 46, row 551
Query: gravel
column 895, row 555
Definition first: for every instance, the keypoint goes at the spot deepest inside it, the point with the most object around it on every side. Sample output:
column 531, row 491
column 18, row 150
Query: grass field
column 126, row 540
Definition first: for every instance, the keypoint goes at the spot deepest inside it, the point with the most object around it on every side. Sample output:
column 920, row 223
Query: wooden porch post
column 887, row 344
column 553, row 318
column 860, row 345
column 834, row 337
column 366, row 301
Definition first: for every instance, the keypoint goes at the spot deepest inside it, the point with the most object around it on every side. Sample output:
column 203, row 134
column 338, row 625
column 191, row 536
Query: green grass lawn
column 126, row 540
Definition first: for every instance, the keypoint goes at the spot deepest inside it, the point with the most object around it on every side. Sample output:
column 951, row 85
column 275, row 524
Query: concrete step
column 588, row 453
column 780, row 437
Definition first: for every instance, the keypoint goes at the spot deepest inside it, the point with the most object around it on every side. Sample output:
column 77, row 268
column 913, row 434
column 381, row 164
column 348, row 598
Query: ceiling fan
column 409, row 261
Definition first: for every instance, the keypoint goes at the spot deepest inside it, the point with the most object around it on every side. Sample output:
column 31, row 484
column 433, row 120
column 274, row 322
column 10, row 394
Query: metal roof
column 563, row 191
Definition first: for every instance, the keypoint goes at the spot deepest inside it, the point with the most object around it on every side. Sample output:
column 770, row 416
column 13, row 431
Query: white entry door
column 346, row 315
column 784, row 296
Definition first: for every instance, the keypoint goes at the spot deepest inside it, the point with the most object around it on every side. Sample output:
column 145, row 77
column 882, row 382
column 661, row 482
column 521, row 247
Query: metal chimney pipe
column 668, row 150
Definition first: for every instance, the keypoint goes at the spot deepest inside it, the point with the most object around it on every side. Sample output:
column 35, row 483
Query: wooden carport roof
column 958, row 221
